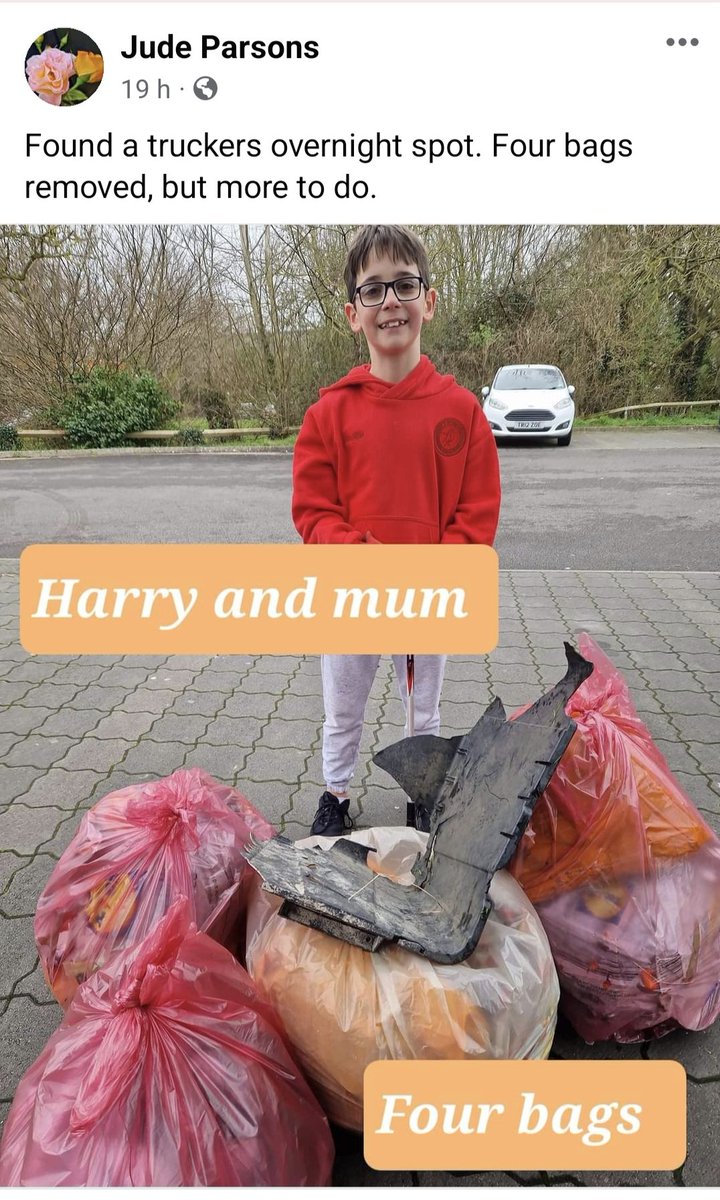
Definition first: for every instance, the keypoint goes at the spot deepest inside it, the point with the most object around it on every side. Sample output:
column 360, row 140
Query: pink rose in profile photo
column 49, row 73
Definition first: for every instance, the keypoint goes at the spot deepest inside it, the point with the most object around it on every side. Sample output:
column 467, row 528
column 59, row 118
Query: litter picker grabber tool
column 410, row 677
column 410, row 668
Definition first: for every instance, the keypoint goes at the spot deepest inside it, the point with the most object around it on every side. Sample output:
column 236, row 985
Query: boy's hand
column 370, row 540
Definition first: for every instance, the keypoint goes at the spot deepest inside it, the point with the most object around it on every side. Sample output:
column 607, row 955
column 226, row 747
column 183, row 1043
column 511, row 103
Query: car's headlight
column 564, row 403
column 493, row 403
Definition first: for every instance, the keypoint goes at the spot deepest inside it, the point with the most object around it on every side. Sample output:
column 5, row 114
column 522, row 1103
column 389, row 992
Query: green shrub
column 47, row 417
column 9, row 439
column 105, row 406
column 191, row 437
column 216, row 408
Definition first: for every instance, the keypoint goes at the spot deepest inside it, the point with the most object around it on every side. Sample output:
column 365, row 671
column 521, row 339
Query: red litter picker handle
column 410, row 669
column 410, row 677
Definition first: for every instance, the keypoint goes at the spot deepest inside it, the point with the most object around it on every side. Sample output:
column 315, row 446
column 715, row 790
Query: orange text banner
column 580, row 1116
column 261, row 599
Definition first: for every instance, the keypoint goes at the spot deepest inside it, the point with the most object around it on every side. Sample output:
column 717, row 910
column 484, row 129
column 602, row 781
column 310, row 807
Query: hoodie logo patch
column 450, row 436
column 354, row 437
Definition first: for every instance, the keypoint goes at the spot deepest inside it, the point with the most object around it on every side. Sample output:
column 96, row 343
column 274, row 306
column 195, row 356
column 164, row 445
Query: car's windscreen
column 519, row 378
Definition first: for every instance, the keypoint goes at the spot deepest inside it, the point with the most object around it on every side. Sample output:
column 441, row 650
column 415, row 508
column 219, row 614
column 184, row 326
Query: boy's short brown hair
column 393, row 240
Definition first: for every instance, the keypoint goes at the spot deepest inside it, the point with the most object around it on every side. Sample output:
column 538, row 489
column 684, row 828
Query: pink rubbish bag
column 641, row 956
column 168, row 1071
column 624, row 875
column 134, row 853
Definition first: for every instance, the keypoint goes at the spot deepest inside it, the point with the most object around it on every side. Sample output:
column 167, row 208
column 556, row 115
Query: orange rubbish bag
column 625, row 875
column 343, row 1007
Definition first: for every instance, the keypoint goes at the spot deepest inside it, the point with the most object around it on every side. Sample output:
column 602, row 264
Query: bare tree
column 250, row 318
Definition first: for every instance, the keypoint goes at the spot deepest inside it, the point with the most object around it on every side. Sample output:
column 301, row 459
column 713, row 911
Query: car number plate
column 529, row 424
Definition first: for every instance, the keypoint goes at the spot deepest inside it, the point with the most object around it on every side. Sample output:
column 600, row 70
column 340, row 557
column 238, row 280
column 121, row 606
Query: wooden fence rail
column 160, row 435
column 165, row 435
column 626, row 408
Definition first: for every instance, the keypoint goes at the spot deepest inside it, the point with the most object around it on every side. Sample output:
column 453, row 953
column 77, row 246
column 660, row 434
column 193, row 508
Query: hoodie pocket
column 398, row 530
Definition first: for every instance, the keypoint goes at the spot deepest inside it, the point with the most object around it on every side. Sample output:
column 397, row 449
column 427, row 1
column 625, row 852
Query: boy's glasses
column 373, row 294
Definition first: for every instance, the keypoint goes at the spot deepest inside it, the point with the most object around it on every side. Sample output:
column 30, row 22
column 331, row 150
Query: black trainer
column 331, row 818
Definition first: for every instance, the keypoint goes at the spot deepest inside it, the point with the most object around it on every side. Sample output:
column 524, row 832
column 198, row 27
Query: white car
column 530, row 400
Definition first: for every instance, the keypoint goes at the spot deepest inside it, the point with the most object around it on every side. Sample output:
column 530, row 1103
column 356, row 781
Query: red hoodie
column 411, row 462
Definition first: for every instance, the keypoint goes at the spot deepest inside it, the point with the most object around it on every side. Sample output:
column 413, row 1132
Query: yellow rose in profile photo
column 87, row 63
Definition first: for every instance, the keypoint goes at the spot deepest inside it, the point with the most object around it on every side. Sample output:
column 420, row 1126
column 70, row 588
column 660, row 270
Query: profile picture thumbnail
column 64, row 67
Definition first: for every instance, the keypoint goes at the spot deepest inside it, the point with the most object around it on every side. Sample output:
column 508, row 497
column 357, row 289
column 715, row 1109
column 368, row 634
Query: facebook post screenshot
column 329, row 866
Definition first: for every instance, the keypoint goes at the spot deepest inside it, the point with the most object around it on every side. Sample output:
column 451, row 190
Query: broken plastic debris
column 476, row 792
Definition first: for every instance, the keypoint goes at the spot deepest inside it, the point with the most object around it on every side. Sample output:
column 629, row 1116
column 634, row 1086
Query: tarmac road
column 613, row 500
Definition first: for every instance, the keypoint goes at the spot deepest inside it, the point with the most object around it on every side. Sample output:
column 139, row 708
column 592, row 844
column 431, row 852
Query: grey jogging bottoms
column 347, row 680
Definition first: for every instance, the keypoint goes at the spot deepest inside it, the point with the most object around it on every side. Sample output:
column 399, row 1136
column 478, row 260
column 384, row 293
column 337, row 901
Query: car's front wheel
column 565, row 441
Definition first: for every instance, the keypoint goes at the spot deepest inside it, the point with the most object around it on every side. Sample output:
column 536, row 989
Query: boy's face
column 392, row 329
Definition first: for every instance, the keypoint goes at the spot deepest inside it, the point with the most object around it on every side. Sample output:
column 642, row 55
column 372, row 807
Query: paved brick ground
column 72, row 729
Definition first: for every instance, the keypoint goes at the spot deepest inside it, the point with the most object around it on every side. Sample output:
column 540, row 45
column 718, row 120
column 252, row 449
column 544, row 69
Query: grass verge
column 697, row 418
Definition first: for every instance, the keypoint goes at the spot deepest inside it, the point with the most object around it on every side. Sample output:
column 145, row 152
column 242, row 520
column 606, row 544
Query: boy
column 393, row 452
